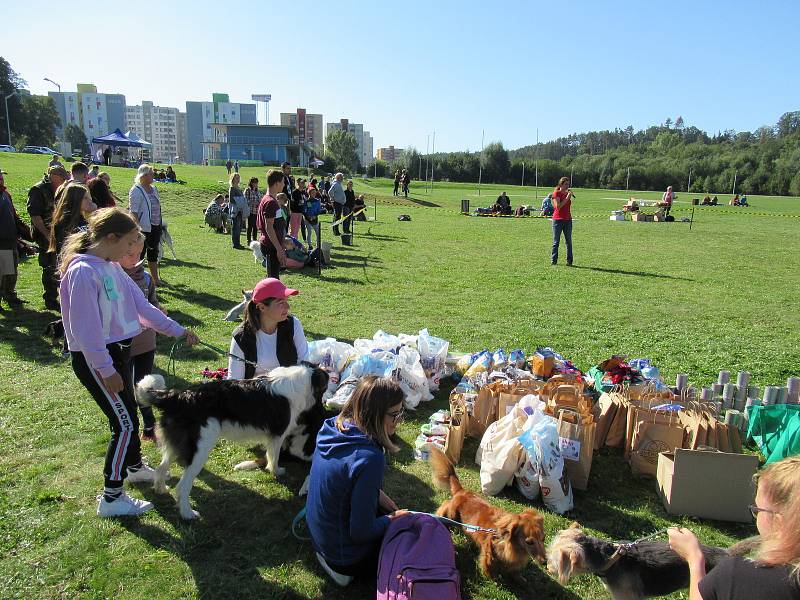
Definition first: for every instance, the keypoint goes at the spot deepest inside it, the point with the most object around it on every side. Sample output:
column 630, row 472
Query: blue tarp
column 117, row 138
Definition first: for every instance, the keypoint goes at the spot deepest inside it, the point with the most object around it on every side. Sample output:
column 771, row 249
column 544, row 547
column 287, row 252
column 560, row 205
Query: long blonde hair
column 103, row 222
column 781, row 484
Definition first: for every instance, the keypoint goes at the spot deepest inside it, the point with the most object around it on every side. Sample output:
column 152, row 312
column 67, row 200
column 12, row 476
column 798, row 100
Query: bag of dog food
column 556, row 493
column 433, row 353
column 527, row 480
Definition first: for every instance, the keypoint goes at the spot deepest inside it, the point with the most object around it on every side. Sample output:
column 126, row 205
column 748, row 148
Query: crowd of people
column 401, row 178
column 284, row 220
column 93, row 272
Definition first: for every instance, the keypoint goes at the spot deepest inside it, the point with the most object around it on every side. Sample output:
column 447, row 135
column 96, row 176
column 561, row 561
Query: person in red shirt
column 562, row 219
column 271, row 226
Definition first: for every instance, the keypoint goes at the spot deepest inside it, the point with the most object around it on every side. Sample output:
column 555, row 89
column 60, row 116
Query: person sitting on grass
column 503, row 205
column 215, row 216
column 706, row 201
column 714, row 201
column 734, row 201
column 347, row 511
column 743, row 201
column 170, row 175
column 359, row 205
column 774, row 572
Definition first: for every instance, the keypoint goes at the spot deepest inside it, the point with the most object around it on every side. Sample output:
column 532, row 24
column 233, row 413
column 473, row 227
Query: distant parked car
column 32, row 150
column 7, row 148
column 46, row 150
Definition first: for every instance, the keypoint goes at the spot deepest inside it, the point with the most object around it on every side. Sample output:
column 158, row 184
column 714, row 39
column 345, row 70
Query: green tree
column 9, row 82
column 377, row 168
column 496, row 164
column 342, row 148
column 39, row 120
column 76, row 138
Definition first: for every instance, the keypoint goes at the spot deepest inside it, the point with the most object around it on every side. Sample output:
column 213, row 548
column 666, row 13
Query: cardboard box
column 637, row 216
column 710, row 485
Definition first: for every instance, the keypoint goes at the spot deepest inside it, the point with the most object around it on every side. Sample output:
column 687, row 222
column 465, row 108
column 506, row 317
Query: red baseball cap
column 271, row 288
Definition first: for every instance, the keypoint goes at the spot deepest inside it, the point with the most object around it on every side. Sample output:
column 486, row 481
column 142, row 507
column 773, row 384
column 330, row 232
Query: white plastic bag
column 331, row 356
column 433, row 354
column 411, row 377
column 500, row 454
column 342, row 394
column 378, row 363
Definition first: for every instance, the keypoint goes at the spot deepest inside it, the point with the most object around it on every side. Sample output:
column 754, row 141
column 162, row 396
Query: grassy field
column 721, row 295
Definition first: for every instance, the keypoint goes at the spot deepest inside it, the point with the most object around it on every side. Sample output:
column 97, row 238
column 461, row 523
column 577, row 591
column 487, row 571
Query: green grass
column 721, row 295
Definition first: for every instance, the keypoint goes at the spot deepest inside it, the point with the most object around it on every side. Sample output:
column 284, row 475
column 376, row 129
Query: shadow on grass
column 171, row 262
column 184, row 293
column 634, row 273
column 240, row 533
column 23, row 328
column 422, row 202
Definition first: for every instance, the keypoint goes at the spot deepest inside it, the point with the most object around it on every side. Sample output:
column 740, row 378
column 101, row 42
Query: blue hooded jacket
column 342, row 504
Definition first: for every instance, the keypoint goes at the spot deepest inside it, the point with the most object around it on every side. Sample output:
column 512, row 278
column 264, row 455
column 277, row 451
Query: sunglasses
column 396, row 416
column 754, row 510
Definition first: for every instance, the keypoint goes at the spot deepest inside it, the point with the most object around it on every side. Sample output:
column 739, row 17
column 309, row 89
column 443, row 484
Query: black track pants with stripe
column 123, row 449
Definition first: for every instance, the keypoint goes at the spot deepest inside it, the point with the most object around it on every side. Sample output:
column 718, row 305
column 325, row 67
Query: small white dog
column 235, row 314
column 258, row 256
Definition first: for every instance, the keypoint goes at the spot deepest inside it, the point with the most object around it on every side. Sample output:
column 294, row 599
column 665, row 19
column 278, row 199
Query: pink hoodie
column 101, row 305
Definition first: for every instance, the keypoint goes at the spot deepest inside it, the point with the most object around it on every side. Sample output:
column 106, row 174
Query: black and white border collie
column 283, row 408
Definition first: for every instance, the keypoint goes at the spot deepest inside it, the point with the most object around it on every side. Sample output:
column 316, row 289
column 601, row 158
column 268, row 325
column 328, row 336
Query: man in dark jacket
column 11, row 229
column 41, row 202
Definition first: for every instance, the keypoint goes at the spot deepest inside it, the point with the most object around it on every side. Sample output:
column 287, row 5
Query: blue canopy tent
column 115, row 138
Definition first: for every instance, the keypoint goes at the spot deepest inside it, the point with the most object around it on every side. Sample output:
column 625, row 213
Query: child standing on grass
column 102, row 310
column 143, row 346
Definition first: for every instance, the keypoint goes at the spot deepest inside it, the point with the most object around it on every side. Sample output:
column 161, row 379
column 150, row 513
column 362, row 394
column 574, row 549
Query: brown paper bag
column 455, row 434
column 711, row 431
column 651, row 439
column 722, row 437
column 604, row 411
column 513, row 393
column 484, row 411
column 617, row 431
column 577, row 446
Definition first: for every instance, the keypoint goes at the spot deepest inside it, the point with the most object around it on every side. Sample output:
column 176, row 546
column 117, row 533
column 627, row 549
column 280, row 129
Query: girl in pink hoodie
column 102, row 310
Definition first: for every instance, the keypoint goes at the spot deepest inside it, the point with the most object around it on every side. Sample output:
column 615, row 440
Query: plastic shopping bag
column 432, row 352
column 411, row 377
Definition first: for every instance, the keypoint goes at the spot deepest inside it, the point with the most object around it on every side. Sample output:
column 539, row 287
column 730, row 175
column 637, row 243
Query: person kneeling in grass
column 347, row 511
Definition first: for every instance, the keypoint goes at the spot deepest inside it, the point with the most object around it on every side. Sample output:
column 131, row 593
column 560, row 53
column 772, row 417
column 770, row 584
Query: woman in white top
column 144, row 203
column 269, row 337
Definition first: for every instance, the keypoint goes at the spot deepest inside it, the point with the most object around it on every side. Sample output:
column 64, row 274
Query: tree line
column 765, row 161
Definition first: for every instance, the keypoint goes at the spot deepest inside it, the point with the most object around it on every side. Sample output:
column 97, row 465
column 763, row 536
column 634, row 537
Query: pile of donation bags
column 417, row 362
column 540, row 420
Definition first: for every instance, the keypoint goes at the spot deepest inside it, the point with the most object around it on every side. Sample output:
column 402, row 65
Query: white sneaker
column 338, row 578
column 145, row 473
column 124, row 506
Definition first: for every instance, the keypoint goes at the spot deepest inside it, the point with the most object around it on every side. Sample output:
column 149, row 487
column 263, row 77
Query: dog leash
column 445, row 520
column 623, row 549
column 173, row 352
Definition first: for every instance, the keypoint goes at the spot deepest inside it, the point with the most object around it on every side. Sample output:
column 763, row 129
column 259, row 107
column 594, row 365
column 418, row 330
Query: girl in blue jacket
column 346, row 510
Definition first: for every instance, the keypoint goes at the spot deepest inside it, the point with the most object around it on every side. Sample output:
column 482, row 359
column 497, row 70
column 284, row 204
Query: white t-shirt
column 267, row 357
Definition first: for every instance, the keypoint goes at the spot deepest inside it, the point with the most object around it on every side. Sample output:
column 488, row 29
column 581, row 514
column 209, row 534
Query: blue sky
column 407, row 69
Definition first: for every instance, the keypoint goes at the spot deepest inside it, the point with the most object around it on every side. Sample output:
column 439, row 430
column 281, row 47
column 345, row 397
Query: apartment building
column 308, row 126
column 389, row 154
column 202, row 116
column 95, row 113
column 159, row 126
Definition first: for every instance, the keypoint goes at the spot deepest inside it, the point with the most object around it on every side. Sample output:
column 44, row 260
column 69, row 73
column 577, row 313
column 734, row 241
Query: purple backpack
column 417, row 561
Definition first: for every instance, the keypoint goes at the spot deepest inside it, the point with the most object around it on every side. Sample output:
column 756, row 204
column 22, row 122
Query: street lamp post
column 8, row 118
column 54, row 83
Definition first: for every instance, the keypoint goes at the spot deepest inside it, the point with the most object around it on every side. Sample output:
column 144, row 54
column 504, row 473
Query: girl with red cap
column 270, row 337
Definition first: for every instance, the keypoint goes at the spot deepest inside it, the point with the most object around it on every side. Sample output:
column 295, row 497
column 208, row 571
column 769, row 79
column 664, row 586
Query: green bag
column 776, row 430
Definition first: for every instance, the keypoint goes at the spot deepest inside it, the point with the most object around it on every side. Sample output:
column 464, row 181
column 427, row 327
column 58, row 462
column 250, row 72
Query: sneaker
column 338, row 578
column 124, row 506
column 142, row 474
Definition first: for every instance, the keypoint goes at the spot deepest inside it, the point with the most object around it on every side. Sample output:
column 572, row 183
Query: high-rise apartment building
column 308, row 126
column 183, row 147
column 389, row 154
column 96, row 114
column 363, row 138
column 159, row 126
column 201, row 116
